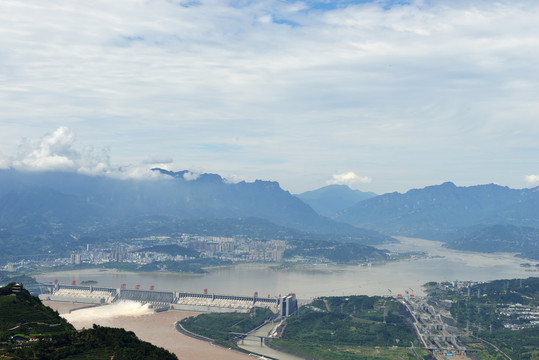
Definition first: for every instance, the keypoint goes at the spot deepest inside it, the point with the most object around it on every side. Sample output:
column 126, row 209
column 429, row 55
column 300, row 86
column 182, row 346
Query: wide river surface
column 322, row 280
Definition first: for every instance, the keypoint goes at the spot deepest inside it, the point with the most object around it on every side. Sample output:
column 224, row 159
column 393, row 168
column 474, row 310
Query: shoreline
column 311, row 281
column 157, row 328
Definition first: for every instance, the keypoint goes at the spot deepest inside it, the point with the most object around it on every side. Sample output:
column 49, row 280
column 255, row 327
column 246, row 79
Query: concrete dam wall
column 161, row 299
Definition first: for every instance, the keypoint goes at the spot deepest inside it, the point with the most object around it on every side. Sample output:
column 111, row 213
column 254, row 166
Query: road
column 441, row 339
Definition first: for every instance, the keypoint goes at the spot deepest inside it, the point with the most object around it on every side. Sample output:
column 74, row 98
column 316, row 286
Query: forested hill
column 501, row 238
column 500, row 314
column 23, row 317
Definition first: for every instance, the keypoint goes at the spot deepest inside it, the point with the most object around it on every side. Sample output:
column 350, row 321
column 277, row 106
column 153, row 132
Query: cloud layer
column 58, row 151
column 532, row 179
column 349, row 178
column 412, row 93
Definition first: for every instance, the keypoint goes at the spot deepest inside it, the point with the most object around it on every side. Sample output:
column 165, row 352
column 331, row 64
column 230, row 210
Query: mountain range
column 60, row 204
column 446, row 211
column 44, row 202
column 501, row 238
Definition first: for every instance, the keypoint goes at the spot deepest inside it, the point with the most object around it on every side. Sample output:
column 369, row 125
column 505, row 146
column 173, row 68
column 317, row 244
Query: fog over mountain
column 48, row 203
column 331, row 199
column 43, row 201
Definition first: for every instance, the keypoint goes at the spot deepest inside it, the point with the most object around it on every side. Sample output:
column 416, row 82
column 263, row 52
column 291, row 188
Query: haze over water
column 321, row 280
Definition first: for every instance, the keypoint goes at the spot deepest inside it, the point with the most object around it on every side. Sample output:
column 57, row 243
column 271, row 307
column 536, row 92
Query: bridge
column 245, row 336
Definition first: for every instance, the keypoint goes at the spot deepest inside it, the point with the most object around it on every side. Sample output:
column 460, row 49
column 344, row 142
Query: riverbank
column 156, row 328
column 441, row 264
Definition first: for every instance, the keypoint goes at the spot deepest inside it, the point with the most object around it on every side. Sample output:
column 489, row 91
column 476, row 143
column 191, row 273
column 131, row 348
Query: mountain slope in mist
column 48, row 201
column 445, row 211
column 501, row 238
column 332, row 199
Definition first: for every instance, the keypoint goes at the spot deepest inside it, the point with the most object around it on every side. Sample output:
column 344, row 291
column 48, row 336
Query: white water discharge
column 106, row 313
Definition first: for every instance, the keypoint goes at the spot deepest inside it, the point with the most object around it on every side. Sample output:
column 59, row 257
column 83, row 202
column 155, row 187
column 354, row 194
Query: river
column 322, row 280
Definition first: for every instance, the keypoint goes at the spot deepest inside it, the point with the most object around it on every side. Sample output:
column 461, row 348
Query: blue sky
column 380, row 95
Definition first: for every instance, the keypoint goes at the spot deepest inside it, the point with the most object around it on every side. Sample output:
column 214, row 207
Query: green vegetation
column 353, row 327
column 8, row 277
column 173, row 266
column 408, row 255
column 488, row 309
column 220, row 326
column 482, row 308
column 501, row 238
column 23, row 313
column 519, row 345
column 121, row 266
column 30, row 330
column 92, row 344
column 350, row 352
column 37, row 238
column 16, row 245
column 88, row 282
column 334, row 251
column 193, row 266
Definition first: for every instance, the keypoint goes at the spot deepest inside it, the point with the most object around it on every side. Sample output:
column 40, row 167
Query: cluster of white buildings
column 525, row 315
column 227, row 248
column 239, row 249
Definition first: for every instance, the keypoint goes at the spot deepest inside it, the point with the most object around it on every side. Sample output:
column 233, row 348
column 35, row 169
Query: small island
column 88, row 282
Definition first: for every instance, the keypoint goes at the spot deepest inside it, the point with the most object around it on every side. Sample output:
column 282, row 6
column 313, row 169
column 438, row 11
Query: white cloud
column 233, row 179
column 4, row 162
column 532, row 179
column 191, row 175
column 135, row 172
column 349, row 178
column 425, row 83
column 58, row 151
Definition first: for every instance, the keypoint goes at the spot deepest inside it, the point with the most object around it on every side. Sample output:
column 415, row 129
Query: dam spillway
column 173, row 300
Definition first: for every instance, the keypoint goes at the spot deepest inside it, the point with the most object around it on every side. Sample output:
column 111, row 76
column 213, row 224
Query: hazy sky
column 382, row 95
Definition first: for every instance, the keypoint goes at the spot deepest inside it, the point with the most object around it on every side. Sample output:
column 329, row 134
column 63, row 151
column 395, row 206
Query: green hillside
column 31, row 330
column 221, row 326
column 355, row 327
column 500, row 312
column 501, row 238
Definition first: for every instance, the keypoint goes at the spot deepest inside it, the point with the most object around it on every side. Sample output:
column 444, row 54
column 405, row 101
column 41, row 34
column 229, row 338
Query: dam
column 168, row 300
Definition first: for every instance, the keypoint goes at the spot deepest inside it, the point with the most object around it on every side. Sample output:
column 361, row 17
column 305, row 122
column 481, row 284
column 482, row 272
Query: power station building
column 289, row 305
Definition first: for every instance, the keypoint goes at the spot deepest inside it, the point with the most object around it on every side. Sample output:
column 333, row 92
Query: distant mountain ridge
column 501, row 238
column 445, row 211
column 54, row 205
column 51, row 200
column 332, row 199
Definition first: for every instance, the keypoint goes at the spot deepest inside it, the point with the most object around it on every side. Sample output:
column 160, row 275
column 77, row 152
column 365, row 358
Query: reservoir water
column 322, row 280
